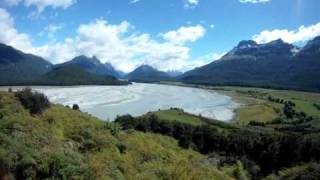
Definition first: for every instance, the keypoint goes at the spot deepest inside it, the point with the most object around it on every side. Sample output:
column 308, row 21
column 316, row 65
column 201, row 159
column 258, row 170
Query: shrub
column 76, row 107
column 35, row 102
column 122, row 148
column 10, row 90
column 114, row 128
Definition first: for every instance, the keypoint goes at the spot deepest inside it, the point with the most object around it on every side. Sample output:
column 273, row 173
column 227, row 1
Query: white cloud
column 134, row 1
column 185, row 34
column 42, row 4
column 52, row 28
column 115, row 43
column 12, row 2
column 302, row 34
column 10, row 35
column 254, row 1
column 51, row 31
column 191, row 3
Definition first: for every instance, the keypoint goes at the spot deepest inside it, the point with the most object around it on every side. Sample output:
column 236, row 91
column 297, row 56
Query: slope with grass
column 178, row 115
column 62, row 143
column 261, row 148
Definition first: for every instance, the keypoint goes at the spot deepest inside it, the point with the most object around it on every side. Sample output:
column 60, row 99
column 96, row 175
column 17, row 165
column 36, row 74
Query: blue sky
column 167, row 34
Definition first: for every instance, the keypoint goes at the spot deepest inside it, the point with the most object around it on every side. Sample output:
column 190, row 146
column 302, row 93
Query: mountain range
column 91, row 65
column 276, row 65
column 18, row 68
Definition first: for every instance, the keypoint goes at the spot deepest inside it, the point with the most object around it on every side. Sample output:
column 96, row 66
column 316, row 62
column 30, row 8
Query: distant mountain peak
column 92, row 65
column 145, row 67
column 277, row 41
column 251, row 48
column 311, row 48
column 86, row 58
column 247, row 44
column 147, row 73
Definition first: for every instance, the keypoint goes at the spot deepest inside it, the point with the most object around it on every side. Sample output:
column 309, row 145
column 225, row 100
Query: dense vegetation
column 262, row 150
column 35, row 102
column 62, row 143
column 39, row 140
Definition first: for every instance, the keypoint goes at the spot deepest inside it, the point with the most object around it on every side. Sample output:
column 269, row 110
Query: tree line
column 270, row 149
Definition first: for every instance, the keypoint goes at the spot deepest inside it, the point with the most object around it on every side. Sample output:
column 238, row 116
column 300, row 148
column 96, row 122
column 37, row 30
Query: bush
column 35, row 102
column 122, row 148
column 76, row 107
column 114, row 128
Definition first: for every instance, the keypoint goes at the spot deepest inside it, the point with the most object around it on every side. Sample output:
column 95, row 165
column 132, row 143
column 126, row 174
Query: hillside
column 146, row 73
column 276, row 64
column 63, row 143
column 264, row 149
column 16, row 66
column 75, row 76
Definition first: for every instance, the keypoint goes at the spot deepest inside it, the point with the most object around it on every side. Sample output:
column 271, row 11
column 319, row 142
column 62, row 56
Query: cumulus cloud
column 115, row 43
column 254, row 1
column 302, row 34
column 185, row 34
column 10, row 35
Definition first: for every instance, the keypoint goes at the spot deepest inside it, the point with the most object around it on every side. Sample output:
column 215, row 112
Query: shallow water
column 106, row 102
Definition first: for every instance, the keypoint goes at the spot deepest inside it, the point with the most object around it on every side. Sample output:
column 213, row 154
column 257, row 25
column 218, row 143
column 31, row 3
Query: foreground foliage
column 261, row 149
column 62, row 143
column 34, row 101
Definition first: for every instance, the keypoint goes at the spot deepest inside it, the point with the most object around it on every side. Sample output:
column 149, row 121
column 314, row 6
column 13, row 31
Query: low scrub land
column 61, row 143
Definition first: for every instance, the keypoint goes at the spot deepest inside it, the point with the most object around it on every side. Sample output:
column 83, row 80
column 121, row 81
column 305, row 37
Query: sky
column 166, row 34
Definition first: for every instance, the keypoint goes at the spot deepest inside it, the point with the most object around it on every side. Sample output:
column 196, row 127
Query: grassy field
column 180, row 116
column 255, row 105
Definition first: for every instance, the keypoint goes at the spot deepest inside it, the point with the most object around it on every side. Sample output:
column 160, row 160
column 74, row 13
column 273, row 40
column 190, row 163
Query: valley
column 160, row 90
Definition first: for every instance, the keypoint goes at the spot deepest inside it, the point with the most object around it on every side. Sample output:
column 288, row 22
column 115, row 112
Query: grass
column 258, row 108
column 257, row 113
column 65, row 144
column 255, row 105
column 180, row 116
